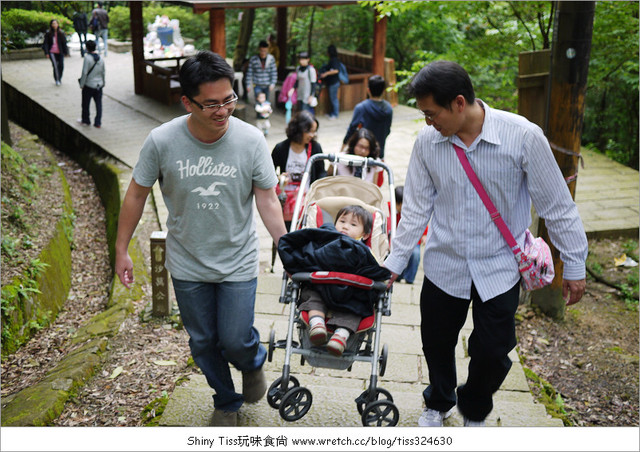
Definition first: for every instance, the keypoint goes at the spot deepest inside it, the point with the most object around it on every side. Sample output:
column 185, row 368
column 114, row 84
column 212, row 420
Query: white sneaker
column 469, row 423
column 433, row 418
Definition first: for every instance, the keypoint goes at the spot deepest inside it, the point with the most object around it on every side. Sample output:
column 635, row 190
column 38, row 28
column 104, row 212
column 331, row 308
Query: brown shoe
column 224, row 418
column 254, row 385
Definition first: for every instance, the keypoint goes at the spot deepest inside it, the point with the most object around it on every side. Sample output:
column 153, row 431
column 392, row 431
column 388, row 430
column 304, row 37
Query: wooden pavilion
column 158, row 82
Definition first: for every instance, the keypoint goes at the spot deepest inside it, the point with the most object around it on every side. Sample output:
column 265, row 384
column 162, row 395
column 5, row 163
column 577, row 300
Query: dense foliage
column 18, row 25
column 611, row 115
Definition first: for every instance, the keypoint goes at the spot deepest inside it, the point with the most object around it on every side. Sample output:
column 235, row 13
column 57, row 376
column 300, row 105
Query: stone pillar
column 161, row 302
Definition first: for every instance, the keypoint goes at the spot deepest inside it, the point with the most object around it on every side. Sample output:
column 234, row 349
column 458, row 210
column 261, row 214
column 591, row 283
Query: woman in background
column 55, row 48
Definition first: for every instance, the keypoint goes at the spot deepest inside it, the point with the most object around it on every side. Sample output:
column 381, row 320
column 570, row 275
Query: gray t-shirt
column 208, row 191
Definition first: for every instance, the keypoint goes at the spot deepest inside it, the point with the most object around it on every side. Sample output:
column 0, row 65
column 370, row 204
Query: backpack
column 343, row 75
column 95, row 23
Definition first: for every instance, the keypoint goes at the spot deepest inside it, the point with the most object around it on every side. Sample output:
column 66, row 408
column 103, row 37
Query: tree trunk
column 569, row 69
column 242, row 45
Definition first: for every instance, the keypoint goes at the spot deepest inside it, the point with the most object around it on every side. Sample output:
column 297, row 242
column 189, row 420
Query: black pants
column 493, row 337
column 82, row 36
column 57, row 61
column 87, row 95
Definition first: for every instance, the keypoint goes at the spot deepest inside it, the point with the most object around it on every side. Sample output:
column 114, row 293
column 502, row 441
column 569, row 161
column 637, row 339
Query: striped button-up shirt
column 262, row 74
column 514, row 162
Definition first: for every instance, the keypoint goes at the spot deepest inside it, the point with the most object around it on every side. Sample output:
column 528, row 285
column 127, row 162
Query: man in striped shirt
column 262, row 71
column 466, row 258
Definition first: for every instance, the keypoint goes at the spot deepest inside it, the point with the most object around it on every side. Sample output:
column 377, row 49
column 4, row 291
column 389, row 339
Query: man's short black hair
column 444, row 80
column 377, row 85
column 263, row 43
column 204, row 67
column 91, row 46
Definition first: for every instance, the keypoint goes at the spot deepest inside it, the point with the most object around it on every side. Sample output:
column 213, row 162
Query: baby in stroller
column 355, row 222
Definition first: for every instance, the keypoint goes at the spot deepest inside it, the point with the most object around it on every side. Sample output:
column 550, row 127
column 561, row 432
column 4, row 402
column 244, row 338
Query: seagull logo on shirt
column 210, row 191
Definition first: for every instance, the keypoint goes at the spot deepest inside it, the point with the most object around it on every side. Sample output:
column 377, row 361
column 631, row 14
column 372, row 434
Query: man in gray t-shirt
column 210, row 165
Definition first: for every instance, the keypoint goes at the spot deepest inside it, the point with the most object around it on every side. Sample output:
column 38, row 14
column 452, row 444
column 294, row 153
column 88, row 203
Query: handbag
column 534, row 259
column 289, row 205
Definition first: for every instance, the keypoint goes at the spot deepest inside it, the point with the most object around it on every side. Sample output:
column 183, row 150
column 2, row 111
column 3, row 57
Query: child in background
column 409, row 273
column 364, row 144
column 263, row 111
column 357, row 223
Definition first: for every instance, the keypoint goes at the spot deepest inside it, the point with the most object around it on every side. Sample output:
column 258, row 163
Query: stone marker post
column 161, row 302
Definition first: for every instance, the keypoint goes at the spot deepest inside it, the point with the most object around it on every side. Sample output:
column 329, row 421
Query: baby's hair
column 361, row 214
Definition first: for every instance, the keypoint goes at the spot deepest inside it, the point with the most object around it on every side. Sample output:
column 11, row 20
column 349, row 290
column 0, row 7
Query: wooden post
column 137, row 46
column 569, row 69
column 161, row 302
column 379, row 44
column 533, row 85
column 216, row 31
column 281, row 14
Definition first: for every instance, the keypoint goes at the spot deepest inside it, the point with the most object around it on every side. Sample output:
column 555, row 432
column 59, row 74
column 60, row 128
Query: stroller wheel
column 383, row 359
column 275, row 393
column 295, row 404
column 363, row 399
column 272, row 345
column 381, row 413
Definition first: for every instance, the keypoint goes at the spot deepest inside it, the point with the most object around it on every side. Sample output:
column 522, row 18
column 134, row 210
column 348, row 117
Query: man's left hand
column 572, row 291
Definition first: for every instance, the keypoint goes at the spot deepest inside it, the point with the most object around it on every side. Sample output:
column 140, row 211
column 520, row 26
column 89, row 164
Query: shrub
column 192, row 25
column 19, row 24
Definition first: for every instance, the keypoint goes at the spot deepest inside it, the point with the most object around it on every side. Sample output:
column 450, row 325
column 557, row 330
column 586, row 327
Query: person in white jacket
column 92, row 81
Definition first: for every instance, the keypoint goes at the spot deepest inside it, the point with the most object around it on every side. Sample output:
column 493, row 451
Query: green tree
column 611, row 113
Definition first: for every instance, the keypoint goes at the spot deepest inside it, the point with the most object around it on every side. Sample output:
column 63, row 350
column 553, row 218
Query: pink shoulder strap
column 495, row 215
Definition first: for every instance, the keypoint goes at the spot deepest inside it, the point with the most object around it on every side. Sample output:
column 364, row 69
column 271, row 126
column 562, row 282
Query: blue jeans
column 219, row 320
column 104, row 34
column 333, row 97
column 409, row 273
column 257, row 89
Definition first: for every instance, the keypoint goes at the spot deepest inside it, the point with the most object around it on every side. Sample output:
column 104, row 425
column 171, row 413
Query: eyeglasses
column 216, row 107
column 430, row 118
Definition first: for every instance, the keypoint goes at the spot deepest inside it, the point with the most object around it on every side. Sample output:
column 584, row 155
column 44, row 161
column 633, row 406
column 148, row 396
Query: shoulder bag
column 534, row 261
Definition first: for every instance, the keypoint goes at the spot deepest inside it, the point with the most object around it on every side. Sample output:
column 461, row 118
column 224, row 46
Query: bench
column 162, row 82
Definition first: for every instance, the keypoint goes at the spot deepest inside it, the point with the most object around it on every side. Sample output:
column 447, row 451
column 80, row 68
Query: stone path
column 607, row 197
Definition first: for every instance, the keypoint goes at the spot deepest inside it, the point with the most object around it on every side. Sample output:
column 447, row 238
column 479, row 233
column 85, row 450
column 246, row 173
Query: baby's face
column 350, row 225
column 261, row 98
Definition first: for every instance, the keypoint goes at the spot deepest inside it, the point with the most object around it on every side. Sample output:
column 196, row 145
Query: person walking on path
column 101, row 27
column 374, row 113
column 81, row 26
column 262, row 72
column 55, row 48
column 305, row 86
column 91, row 82
column 466, row 258
column 211, row 166
column 330, row 79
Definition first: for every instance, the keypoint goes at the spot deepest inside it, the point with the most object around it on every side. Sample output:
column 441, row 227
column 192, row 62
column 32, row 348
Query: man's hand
column 124, row 269
column 572, row 291
column 393, row 278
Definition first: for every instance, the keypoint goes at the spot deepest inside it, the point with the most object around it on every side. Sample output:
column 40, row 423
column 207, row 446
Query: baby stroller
column 321, row 203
